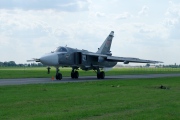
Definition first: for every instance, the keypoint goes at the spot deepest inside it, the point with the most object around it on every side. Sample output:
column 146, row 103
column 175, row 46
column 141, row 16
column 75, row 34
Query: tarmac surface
column 22, row 81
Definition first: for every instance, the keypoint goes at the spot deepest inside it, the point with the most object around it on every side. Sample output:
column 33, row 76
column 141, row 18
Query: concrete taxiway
column 80, row 79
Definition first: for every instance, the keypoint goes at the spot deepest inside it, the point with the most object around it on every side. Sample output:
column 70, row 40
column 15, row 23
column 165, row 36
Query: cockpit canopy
column 61, row 49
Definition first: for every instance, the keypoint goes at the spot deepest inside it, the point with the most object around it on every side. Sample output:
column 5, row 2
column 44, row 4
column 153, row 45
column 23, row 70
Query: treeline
column 171, row 66
column 164, row 66
column 13, row 64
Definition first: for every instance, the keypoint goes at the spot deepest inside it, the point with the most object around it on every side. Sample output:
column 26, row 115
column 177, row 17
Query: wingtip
column 159, row 62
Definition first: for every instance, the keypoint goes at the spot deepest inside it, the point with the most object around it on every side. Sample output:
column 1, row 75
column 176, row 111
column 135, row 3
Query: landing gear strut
column 100, row 74
column 74, row 74
column 58, row 75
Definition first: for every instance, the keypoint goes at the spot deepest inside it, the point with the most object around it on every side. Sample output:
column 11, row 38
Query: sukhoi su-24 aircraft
column 85, row 60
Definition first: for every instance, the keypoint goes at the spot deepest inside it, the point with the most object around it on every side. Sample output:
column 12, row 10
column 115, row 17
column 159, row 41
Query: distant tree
column 33, row 64
column 40, row 65
column 1, row 64
column 29, row 65
column 147, row 65
column 20, row 65
column 5, row 64
column 12, row 63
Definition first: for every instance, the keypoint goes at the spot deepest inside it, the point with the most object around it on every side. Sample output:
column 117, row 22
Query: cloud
column 38, row 30
column 62, row 5
column 4, row 40
column 173, row 10
column 74, row 6
column 172, row 20
column 144, row 11
column 99, row 14
column 124, row 15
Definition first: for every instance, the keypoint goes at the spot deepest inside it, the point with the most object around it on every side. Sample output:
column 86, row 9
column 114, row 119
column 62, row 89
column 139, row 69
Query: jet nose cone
column 50, row 59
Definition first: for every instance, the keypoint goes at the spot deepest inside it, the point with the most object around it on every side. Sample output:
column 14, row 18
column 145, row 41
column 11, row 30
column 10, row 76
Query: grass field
column 41, row 72
column 136, row 99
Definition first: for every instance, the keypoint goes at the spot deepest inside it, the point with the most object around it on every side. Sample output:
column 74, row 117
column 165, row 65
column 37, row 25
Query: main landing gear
column 58, row 75
column 100, row 74
column 74, row 74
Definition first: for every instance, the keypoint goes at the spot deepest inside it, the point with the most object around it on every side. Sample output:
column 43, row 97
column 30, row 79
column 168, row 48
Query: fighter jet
column 85, row 60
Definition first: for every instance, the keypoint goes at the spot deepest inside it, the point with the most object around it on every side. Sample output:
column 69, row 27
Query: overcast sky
column 147, row 29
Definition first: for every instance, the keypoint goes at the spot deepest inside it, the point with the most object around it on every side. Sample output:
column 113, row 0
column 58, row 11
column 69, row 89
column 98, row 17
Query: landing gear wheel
column 75, row 75
column 98, row 76
column 72, row 75
column 58, row 76
column 101, row 75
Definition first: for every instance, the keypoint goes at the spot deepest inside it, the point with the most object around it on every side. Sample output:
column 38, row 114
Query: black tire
column 58, row 76
column 72, row 75
column 102, row 75
column 76, row 74
column 98, row 76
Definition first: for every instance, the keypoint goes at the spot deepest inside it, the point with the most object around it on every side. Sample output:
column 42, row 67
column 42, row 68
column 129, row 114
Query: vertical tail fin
column 106, row 46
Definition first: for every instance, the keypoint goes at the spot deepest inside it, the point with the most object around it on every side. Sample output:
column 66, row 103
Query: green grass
column 41, row 72
column 98, row 100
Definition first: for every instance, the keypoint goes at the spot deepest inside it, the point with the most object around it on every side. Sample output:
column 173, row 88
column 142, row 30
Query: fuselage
column 70, row 57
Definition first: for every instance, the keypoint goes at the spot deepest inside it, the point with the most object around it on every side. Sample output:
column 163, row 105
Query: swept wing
column 126, row 60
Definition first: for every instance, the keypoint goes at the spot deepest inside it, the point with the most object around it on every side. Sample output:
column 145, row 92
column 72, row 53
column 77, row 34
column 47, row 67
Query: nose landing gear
column 58, row 75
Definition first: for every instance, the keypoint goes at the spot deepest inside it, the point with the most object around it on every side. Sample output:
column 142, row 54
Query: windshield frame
column 61, row 49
